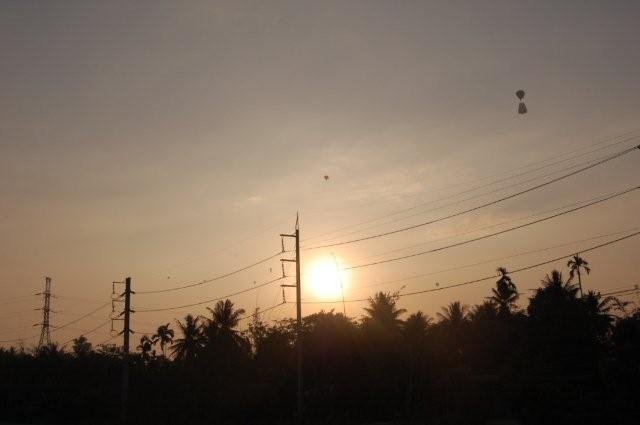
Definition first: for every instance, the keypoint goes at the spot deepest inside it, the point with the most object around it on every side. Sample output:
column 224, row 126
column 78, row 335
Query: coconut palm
column 555, row 282
column 224, row 318
column 487, row 311
column 145, row 347
column 505, row 294
column 455, row 314
column 555, row 299
column 164, row 335
column 575, row 264
column 383, row 311
column 187, row 347
column 416, row 325
column 599, row 310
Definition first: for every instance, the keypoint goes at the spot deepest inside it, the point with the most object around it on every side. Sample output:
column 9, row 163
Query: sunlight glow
column 324, row 281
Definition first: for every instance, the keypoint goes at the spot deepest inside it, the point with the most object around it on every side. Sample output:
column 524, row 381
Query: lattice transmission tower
column 45, row 336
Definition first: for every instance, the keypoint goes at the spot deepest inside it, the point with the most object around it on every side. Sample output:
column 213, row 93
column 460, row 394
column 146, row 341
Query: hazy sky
column 174, row 141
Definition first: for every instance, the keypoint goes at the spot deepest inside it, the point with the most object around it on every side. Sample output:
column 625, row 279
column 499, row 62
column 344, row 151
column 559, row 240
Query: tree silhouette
column 577, row 357
column 164, row 335
column 187, row 347
column 81, row 346
column 416, row 326
column 487, row 311
column 145, row 347
column 505, row 294
column 575, row 264
column 455, row 314
column 224, row 318
column 220, row 334
column 599, row 310
column 383, row 312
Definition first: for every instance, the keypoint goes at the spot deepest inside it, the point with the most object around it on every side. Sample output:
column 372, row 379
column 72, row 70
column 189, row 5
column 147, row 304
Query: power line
column 258, row 313
column 108, row 340
column 478, row 207
column 90, row 331
column 458, row 202
column 231, row 273
column 482, row 279
column 219, row 250
column 57, row 328
column 633, row 290
column 490, row 226
column 149, row 310
column 530, row 223
column 507, row 257
column 472, row 189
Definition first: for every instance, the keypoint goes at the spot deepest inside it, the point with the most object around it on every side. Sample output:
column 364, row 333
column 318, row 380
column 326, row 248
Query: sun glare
column 324, row 280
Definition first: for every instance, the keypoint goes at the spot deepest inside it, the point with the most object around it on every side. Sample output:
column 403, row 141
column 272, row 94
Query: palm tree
column 487, row 311
column 505, row 294
column 575, row 264
column 224, row 318
column 555, row 282
column 164, row 336
column 383, row 311
column 455, row 314
column 416, row 325
column 146, row 344
column 187, row 347
column 599, row 310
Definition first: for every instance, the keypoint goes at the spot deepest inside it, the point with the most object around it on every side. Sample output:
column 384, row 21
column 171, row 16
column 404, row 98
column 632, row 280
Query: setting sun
column 325, row 281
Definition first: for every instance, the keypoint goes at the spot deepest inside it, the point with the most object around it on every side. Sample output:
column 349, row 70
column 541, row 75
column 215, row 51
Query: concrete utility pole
column 126, row 331
column 45, row 335
column 298, row 287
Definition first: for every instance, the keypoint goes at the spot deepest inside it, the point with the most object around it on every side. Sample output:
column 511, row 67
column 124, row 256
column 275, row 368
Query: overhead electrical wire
column 477, row 229
column 633, row 290
column 472, row 189
column 150, row 310
column 481, row 206
column 111, row 338
column 258, row 313
column 458, row 202
column 490, row 277
column 76, row 320
column 530, row 223
column 493, row 260
column 213, row 279
column 90, row 331
column 346, row 268
column 57, row 328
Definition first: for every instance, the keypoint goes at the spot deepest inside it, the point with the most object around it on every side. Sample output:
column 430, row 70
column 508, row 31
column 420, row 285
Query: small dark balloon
column 522, row 108
column 326, row 177
column 520, row 94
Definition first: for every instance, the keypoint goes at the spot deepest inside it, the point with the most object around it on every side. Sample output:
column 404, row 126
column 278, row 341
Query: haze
column 174, row 143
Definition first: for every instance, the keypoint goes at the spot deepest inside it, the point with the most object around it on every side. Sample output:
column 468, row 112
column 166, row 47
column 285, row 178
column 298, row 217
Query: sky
column 174, row 142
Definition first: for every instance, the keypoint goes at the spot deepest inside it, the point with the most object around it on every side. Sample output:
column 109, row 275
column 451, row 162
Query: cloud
column 255, row 199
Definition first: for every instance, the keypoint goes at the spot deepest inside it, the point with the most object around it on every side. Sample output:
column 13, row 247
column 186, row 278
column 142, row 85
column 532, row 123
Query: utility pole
column 45, row 335
column 296, row 235
column 126, row 331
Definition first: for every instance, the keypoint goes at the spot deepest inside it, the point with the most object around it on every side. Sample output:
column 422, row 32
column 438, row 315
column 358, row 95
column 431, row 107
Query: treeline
column 566, row 358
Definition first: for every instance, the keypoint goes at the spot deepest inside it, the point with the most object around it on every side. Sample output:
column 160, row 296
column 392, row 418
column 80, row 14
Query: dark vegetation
column 564, row 359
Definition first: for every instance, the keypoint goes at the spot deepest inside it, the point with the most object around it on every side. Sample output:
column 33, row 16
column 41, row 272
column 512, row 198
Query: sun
column 325, row 280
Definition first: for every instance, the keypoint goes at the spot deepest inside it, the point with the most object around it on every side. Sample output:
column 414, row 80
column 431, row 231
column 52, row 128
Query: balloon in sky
column 326, row 177
column 522, row 108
